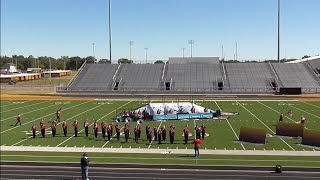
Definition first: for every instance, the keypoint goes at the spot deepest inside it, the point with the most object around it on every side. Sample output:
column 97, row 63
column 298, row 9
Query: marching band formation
column 152, row 134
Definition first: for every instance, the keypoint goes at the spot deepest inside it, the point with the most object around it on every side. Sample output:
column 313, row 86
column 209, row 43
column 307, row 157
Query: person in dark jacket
column 85, row 167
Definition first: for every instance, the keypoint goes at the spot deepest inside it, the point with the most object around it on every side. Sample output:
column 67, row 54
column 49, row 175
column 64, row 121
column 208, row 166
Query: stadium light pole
column 278, row 31
column 191, row 42
column 110, row 40
column 146, row 54
column 183, row 49
column 93, row 55
column 222, row 52
column 130, row 44
column 237, row 51
column 50, row 69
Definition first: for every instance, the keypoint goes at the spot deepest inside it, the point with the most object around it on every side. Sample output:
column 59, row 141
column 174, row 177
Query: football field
column 221, row 134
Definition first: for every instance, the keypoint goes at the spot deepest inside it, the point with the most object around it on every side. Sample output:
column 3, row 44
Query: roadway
column 71, row 171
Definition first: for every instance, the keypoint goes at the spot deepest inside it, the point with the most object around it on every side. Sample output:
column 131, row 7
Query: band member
column 86, row 127
column 205, row 110
column 109, row 128
column 290, row 114
column 65, row 128
column 136, row 134
column 147, row 130
column 203, row 131
column 164, row 133
column 149, row 134
column 155, row 133
column 160, row 135
column 193, row 109
column 118, row 129
column 172, row 132
column 19, row 118
column 139, row 130
column 186, row 131
column 281, row 117
column 75, row 125
column 43, row 128
column 54, row 128
column 126, row 131
column 58, row 113
column 96, row 129
column 198, row 131
column 34, row 130
column 103, row 129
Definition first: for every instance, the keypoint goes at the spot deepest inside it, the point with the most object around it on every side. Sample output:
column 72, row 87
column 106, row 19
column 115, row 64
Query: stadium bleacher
column 196, row 77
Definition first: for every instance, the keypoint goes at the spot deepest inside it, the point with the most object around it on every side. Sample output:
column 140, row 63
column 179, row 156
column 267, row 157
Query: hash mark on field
column 303, row 150
column 121, row 147
column 3, row 144
column 225, row 148
column 111, row 147
column 130, row 147
column 84, row 146
column 177, row 148
column 66, row 146
column 74, row 146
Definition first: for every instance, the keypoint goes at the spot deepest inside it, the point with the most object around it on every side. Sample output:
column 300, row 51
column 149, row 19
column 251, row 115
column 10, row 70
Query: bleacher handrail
column 278, row 80
column 164, row 68
column 115, row 73
column 75, row 76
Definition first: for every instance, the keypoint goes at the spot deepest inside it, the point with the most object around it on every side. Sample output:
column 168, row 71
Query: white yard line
column 42, row 117
column 310, row 104
column 29, row 112
column 11, row 104
column 276, row 111
column 305, row 111
column 158, row 151
column 234, row 132
column 265, row 125
column 24, row 106
column 93, row 123
column 59, row 123
column 153, row 136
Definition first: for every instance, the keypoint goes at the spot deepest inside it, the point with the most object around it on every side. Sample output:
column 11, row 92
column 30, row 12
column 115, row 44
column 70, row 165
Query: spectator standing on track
column 43, row 128
column 85, row 167
column 164, row 133
column 186, row 131
column 34, row 130
column 197, row 143
column 86, row 127
column 58, row 113
column 19, row 118
column 65, row 128
column 96, row 129
column 203, row 131
column 54, row 128
column 75, row 125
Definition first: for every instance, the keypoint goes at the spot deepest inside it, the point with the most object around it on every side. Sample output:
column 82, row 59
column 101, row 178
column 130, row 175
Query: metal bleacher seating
column 193, row 77
column 95, row 77
column 295, row 75
column 142, row 77
column 249, row 76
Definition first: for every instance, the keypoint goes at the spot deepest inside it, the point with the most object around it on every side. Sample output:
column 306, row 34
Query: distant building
column 9, row 68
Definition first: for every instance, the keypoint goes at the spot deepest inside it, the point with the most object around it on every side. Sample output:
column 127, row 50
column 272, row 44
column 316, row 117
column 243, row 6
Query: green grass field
column 222, row 133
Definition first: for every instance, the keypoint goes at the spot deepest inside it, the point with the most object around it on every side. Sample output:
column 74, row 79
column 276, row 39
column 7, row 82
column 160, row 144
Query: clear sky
column 69, row 27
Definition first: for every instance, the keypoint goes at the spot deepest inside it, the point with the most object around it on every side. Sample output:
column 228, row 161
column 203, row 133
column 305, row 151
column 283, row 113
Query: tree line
column 75, row 62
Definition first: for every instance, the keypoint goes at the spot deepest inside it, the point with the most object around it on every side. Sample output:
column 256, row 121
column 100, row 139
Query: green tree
column 124, row 61
column 104, row 61
column 159, row 62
